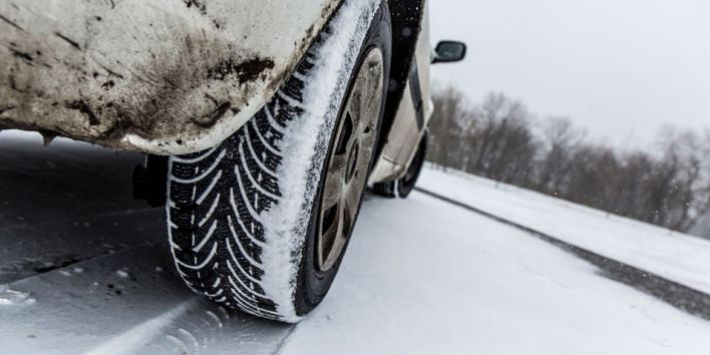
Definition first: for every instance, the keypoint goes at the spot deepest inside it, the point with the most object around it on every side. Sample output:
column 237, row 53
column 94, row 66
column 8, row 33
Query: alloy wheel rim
column 349, row 161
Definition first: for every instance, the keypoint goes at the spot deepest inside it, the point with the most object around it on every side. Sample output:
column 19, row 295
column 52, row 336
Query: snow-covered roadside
column 675, row 256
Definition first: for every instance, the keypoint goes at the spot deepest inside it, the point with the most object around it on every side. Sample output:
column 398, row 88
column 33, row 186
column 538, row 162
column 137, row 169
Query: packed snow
column 446, row 281
column 675, row 256
column 421, row 276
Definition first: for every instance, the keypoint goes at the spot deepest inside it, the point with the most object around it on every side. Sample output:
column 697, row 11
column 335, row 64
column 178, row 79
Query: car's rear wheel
column 261, row 222
column 403, row 186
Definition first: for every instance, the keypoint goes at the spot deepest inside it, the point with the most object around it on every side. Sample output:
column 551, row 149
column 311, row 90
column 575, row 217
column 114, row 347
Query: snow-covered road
column 84, row 269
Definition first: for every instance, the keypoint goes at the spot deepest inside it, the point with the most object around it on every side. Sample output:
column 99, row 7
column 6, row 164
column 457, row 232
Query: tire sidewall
column 313, row 284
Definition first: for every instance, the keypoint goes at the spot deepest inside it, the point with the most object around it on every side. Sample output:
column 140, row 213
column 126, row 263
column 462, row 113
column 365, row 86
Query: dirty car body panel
column 159, row 76
column 168, row 77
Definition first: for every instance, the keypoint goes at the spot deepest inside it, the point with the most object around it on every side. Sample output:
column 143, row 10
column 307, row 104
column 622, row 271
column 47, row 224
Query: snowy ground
column 84, row 269
column 679, row 257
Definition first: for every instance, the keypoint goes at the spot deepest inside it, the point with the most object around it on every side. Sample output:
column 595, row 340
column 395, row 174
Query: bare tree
column 498, row 140
column 560, row 139
column 451, row 118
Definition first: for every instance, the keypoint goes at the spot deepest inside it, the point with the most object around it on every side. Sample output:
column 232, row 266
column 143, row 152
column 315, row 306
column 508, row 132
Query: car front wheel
column 261, row 222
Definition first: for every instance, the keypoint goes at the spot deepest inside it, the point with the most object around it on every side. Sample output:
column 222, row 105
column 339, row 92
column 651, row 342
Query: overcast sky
column 620, row 68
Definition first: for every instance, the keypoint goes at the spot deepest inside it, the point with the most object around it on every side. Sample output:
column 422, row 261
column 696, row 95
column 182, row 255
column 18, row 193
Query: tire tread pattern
column 216, row 197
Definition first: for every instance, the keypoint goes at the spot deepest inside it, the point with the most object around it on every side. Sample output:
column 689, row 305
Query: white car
column 263, row 122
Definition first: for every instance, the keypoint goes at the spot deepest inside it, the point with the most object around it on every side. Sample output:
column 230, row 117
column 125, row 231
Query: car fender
column 158, row 76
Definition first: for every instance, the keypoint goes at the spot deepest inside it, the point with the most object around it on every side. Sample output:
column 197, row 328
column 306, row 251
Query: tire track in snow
column 133, row 339
column 673, row 293
column 153, row 314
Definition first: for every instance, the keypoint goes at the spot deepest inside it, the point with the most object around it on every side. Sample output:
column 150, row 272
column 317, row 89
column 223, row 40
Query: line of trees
column 499, row 139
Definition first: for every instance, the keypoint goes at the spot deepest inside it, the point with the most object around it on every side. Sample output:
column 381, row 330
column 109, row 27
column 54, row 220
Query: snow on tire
column 241, row 215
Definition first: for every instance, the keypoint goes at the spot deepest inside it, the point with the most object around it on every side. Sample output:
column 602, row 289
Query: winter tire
column 261, row 222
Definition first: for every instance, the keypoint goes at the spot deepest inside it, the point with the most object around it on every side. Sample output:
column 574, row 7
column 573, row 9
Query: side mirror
column 449, row 52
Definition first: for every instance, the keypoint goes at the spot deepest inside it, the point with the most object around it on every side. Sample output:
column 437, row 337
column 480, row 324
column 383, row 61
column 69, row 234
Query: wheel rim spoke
column 351, row 201
column 334, row 181
column 331, row 232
